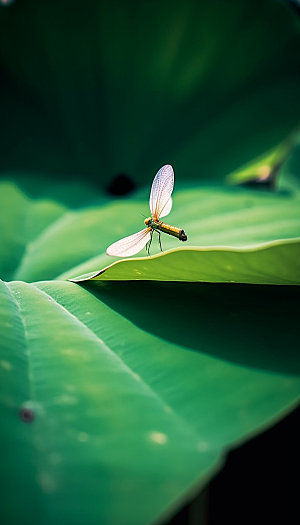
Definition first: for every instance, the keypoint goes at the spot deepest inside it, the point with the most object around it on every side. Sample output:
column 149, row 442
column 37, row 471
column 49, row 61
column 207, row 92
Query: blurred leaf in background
column 96, row 89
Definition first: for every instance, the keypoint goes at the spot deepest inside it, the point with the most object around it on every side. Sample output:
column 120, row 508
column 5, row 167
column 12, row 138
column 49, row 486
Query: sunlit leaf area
column 159, row 388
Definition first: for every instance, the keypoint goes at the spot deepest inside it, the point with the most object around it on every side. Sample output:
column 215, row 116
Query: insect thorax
column 151, row 223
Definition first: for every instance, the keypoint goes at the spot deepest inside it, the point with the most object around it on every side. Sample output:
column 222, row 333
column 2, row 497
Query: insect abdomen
column 172, row 230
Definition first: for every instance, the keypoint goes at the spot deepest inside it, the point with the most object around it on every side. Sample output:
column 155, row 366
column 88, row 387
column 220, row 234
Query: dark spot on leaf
column 121, row 185
column 27, row 415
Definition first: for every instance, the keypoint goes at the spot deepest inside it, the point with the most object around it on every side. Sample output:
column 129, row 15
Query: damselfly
column 160, row 203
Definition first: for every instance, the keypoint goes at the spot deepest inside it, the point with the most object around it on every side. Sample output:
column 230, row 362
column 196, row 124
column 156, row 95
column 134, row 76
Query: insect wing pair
column 160, row 203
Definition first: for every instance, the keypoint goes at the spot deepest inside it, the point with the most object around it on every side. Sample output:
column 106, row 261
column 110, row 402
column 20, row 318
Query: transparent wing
column 167, row 208
column 130, row 245
column 160, row 201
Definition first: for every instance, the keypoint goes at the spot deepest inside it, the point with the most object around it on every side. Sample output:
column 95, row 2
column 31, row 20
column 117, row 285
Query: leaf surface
column 233, row 235
column 125, row 428
column 273, row 263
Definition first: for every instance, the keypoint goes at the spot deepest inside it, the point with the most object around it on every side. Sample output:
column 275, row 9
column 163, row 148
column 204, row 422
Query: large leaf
column 121, row 399
column 42, row 239
column 273, row 263
column 110, row 87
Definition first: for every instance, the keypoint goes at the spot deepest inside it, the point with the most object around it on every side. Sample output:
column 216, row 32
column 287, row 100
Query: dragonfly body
column 160, row 205
column 166, row 228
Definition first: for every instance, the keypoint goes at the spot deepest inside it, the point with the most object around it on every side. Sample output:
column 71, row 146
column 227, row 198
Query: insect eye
column 147, row 221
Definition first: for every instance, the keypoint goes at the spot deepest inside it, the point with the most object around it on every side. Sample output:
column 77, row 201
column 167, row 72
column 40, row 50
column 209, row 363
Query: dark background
column 259, row 483
column 91, row 90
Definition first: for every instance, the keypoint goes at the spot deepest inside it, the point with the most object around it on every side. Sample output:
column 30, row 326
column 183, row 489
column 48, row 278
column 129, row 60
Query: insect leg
column 149, row 243
column 159, row 238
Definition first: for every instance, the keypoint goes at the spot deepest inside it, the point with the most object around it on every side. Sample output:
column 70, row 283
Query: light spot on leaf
column 6, row 365
column 202, row 446
column 46, row 482
column 158, row 437
column 83, row 437
column 67, row 351
column 66, row 399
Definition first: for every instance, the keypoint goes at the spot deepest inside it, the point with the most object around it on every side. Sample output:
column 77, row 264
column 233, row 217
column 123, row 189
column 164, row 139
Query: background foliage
column 100, row 88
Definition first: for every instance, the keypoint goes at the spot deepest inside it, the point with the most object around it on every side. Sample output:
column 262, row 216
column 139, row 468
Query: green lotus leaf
column 272, row 263
column 120, row 401
column 233, row 235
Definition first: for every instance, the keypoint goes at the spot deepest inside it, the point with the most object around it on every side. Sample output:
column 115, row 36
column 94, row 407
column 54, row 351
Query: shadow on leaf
column 255, row 326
